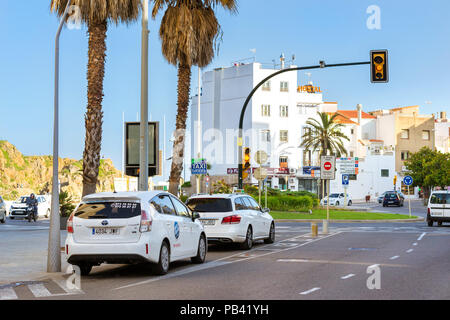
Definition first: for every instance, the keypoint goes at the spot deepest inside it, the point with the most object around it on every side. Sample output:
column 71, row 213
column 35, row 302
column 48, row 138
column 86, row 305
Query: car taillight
column 429, row 211
column 70, row 223
column 146, row 222
column 231, row 220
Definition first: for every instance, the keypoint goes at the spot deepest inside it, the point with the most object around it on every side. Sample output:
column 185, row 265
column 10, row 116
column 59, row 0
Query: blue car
column 393, row 199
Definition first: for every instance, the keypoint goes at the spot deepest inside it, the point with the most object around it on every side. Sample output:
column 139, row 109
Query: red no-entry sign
column 328, row 165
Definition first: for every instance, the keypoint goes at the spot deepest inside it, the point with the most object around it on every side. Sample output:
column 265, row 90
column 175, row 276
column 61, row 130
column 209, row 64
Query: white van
column 438, row 208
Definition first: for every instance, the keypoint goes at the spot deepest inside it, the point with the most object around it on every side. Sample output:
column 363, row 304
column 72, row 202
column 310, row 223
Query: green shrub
column 183, row 198
column 290, row 203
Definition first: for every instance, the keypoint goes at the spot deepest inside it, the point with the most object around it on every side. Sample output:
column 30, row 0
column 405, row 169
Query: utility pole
column 54, row 237
column 143, row 149
column 199, row 127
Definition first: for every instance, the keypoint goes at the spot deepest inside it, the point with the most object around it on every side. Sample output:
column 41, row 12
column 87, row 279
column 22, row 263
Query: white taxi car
column 131, row 227
column 438, row 208
column 233, row 218
column 337, row 199
column 18, row 207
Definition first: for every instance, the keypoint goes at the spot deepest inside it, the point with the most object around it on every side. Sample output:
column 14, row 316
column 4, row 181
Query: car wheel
column 201, row 251
column 271, row 238
column 350, row 203
column 3, row 220
column 164, row 260
column 439, row 223
column 337, row 203
column 12, row 218
column 248, row 243
column 48, row 213
column 85, row 268
column 430, row 222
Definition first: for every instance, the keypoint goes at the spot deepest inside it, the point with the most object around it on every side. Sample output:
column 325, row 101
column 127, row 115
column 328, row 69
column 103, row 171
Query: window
column 384, row 173
column 352, row 154
column 239, row 204
column 265, row 110
column 266, row 86
column 426, row 135
column 108, row 210
column 284, row 86
column 182, row 210
column 283, row 162
column 163, row 205
column 209, row 205
column 404, row 134
column 265, row 135
column 352, row 131
column 439, row 198
column 284, row 136
column 405, row 155
column 284, row 111
column 307, row 158
column 253, row 204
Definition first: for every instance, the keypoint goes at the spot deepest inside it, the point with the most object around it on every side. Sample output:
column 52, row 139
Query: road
column 413, row 261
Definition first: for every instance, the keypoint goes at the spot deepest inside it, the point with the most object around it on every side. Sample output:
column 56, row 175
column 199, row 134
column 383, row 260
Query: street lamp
column 54, row 249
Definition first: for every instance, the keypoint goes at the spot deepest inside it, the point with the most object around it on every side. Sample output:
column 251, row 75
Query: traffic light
column 379, row 70
column 246, row 165
column 395, row 180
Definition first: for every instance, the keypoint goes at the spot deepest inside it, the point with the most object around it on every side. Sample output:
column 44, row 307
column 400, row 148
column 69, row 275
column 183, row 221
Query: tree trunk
column 184, row 85
column 94, row 114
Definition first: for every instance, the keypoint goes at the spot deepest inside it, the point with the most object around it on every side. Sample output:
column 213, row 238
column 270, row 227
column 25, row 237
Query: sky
column 416, row 33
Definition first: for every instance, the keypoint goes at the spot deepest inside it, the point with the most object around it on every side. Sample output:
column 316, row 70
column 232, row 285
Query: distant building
column 442, row 133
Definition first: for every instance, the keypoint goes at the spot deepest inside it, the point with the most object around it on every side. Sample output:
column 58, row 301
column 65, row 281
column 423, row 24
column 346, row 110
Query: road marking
column 342, row 262
column 373, row 266
column 218, row 263
column 292, row 260
column 347, row 276
column 309, row 291
column 394, row 257
column 415, row 244
column 39, row 290
column 63, row 284
column 409, row 251
column 7, row 294
column 421, row 236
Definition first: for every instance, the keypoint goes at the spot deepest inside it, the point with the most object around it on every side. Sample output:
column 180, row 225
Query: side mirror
column 266, row 210
column 195, row 216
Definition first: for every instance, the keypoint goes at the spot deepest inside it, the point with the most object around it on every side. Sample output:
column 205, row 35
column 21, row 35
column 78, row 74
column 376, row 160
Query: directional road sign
column 408, row 180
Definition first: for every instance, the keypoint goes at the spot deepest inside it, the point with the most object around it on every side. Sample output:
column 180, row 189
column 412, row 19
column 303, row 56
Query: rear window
column 391, row 196
column 210, row 205
column 108, row 210
column 440, row 198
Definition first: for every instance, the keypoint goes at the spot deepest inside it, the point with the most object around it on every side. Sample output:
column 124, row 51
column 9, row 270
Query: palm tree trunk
column 94, row 114
column 184, row 85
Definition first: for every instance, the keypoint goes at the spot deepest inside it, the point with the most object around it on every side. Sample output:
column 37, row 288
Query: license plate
column 391, row 201
column 105, row 231
column 208, row 222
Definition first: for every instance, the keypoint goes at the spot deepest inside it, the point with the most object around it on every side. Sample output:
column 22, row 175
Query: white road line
column 421, row 236
column 373, row 266
column 415, row 244
column 394, row 257
column 292, row 260
column 409, row 251
column 347, row 276
column 309, row 291
column 7, row 294
column 220, row 262
column 39, row 290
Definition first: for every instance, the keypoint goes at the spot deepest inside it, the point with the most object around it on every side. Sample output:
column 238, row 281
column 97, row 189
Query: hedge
column 291, row 203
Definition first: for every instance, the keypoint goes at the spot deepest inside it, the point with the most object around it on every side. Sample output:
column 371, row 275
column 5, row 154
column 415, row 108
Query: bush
column 291, row 203
column 183, row 198
column 65, row 204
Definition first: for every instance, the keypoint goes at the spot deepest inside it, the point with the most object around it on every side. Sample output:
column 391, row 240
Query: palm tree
column 189, row 32
column 324, row 136
column 96, row 14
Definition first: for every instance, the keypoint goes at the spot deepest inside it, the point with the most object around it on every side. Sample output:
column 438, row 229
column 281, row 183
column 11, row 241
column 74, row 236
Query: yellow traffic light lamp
column 379, row 70
column 246, row 166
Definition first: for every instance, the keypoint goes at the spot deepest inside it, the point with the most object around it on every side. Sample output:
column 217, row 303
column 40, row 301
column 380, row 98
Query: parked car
column 234, row 218
column 2, row 211
column 19, row 207
column 337, row 199
column 129, row 227
column 438, row 208
column 393, row 198
column 381, row 197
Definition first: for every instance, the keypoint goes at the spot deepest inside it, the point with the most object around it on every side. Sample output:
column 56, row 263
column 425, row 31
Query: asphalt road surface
column 354, row 261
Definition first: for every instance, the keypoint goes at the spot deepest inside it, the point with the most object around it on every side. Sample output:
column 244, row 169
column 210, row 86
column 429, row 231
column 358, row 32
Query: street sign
column 345, row 179
column 261, row 157
column 327, row 167
column 348, row 165
column 199, row 166
column 260, row 174
column 408, row 180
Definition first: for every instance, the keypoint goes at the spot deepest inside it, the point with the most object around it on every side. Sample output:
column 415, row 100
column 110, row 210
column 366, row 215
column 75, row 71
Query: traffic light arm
column 322, row 65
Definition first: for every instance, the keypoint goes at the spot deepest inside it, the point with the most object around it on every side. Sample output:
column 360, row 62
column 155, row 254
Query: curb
column 351, row 221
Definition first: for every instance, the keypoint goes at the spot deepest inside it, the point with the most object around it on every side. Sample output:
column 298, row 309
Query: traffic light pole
column 322, row 65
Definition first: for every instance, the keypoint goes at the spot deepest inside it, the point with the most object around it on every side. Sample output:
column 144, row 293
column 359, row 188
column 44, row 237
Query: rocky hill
column 21, row 175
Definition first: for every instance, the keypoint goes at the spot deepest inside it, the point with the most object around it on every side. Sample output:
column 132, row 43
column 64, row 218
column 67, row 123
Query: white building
column 442, row 133
column 275, row 121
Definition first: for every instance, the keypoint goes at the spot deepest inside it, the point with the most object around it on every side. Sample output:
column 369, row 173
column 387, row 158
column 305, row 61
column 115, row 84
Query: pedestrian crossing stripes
column 44, row 289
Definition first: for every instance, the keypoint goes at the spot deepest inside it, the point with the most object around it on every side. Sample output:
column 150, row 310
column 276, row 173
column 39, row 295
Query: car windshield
column 334, row 195
column 391, row 196
column 108, row 210
column 22, row 200
column 210, row 205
